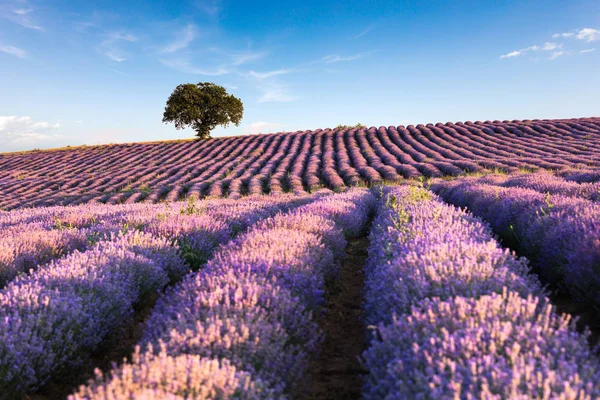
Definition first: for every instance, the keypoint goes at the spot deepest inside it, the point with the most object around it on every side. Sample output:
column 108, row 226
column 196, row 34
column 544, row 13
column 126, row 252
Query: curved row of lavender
column 559, row 234
column 33, row 237
column 292, row 162
column 455, row 316
column 53, row 318
column 546, row 182
column 243, row 327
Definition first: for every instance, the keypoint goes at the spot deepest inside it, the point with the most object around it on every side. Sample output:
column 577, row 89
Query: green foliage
column 196, row 259
column 192, row 207
column 357, row 126
column 202, row 106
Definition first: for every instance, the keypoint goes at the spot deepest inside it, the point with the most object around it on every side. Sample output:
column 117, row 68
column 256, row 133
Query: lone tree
column 202, row 107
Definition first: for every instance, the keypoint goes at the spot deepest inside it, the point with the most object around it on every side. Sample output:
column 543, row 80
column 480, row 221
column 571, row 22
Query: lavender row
column 244, row 324
column 456, row 316
column 29, row 240
column 545, row 182
column 560, row 235
column 53, row 318
column 295, row 161
column 42, row 338
column 422, row 248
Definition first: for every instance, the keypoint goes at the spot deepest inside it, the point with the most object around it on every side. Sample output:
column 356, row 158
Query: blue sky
column 79, row 72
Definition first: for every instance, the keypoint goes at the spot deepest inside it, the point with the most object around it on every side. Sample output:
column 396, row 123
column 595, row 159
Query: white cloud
column 275, row 94
column 184, row 38
column 184, row 66
column 333, row 58
column 116, row 71
column 113, row 55
column 16, row 132
column 245, row 57
column 587, row 51
column 210, row 7
column 262, row 127
column 565, row 35
column 22, row 11
column 551, row 46
column 586, row 34
column 556, row 54
column 110, row 47
column 515, row 53
column 21, row 14
column 117, row 35
column 364, row 32
column 13, row 51
column 548, row 46
column 269, row 74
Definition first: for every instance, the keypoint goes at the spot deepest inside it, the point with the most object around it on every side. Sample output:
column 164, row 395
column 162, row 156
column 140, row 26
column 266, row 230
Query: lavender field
column 295, row 162
column 446, row 261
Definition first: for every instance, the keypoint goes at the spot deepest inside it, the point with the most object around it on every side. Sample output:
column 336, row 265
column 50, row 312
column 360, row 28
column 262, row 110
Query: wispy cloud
column 116, row 71
column 364, row 32
column 184, row 65
column 183, row 40
column 587, row 51
column 556, row 54
column 210, row 7
column 14, row 51
column 119, row 35
column 111, row 48
column 515, row 53
column 21, row 14
column 334, row 58
column 244, row 57
column 564, row 35
column 270, row 74
column 548, row 46
column 22, row 11
column 272, row 90
column 276, row 95
column 585, row 34
column 84, row 26
column 262, row 127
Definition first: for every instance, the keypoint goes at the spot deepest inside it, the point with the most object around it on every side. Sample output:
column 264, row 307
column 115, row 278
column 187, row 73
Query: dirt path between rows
column 336, row 373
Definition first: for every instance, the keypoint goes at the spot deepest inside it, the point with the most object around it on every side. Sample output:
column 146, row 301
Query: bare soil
column 336, row 373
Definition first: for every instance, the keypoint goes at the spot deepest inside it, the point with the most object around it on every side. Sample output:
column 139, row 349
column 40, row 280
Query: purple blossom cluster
column 248, row 314
column 498, row 346
column 294, row 161
column 51, row 319
column 30, row 238
column 546, row 182
column 422, row 248
column 457, row 317
column 581, row 176
column 189, row 376
column 560, row 235
column 54, row 317
column 25, row 246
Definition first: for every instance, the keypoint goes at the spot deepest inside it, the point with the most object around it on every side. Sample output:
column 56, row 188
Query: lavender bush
column 559, row 234
column 454, row 316
column 251, row 307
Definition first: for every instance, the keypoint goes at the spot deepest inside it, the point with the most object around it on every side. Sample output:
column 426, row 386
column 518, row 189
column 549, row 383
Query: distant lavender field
column 296, row 162
column 471, row 233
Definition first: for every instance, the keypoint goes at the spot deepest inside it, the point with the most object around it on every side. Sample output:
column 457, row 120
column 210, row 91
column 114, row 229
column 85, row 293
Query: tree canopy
column 202, row 107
